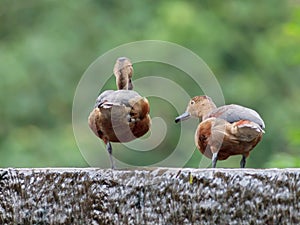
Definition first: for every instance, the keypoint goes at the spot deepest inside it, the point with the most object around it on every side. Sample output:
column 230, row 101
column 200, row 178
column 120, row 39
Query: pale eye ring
column 192, row 102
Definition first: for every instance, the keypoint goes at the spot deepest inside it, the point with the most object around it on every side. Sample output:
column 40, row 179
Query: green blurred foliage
column 253, row 48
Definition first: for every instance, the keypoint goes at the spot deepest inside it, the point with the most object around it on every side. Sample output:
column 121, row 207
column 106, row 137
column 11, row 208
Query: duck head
column 199, row 107
column 123, row 71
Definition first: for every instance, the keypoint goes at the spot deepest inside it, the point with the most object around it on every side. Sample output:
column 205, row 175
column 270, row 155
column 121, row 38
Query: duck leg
column 243, row 161
column 214, row 159
column 109, row 149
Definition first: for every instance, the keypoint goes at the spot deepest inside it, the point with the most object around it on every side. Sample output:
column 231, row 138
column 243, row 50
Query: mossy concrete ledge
column 149, row 196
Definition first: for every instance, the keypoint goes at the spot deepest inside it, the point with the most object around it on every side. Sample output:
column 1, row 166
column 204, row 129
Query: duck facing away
column 122, row 115
column 224, row 131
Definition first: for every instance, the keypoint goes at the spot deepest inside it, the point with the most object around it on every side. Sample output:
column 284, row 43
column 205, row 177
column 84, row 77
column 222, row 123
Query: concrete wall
column 149, row 196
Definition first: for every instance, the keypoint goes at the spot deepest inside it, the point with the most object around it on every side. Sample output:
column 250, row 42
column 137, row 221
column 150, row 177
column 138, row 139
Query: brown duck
column 122, row 115
column 224, row 131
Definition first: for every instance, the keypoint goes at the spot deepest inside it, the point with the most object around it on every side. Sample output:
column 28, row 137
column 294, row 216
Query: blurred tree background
column 253, row 48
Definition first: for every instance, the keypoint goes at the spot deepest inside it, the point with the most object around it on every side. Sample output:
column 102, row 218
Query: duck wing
column 233, row 113
column 116, row 98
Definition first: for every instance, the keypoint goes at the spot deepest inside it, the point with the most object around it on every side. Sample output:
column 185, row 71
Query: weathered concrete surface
column 149, row 196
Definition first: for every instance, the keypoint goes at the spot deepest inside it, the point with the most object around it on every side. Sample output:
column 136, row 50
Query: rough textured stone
column 149, row 196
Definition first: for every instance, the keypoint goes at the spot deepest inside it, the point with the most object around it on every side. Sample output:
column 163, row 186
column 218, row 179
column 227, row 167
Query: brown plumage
column 122, row 115
column 224, row 131
column 123, row 71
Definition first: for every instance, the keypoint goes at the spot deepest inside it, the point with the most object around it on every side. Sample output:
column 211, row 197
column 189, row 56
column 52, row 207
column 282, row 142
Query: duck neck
column 209, row 107
column 123, row 71
column 123, row 82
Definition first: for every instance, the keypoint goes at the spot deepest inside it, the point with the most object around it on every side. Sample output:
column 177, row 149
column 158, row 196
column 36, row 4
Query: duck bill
column 182, row 117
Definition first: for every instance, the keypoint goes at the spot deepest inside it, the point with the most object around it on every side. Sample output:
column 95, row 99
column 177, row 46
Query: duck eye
column 192, row 102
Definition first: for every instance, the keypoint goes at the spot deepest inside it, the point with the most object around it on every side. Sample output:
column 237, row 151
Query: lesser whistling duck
column 224, row 131
column 122, row 115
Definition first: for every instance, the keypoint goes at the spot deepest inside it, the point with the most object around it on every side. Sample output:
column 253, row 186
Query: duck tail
column 246, row 130
column 245, row 124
